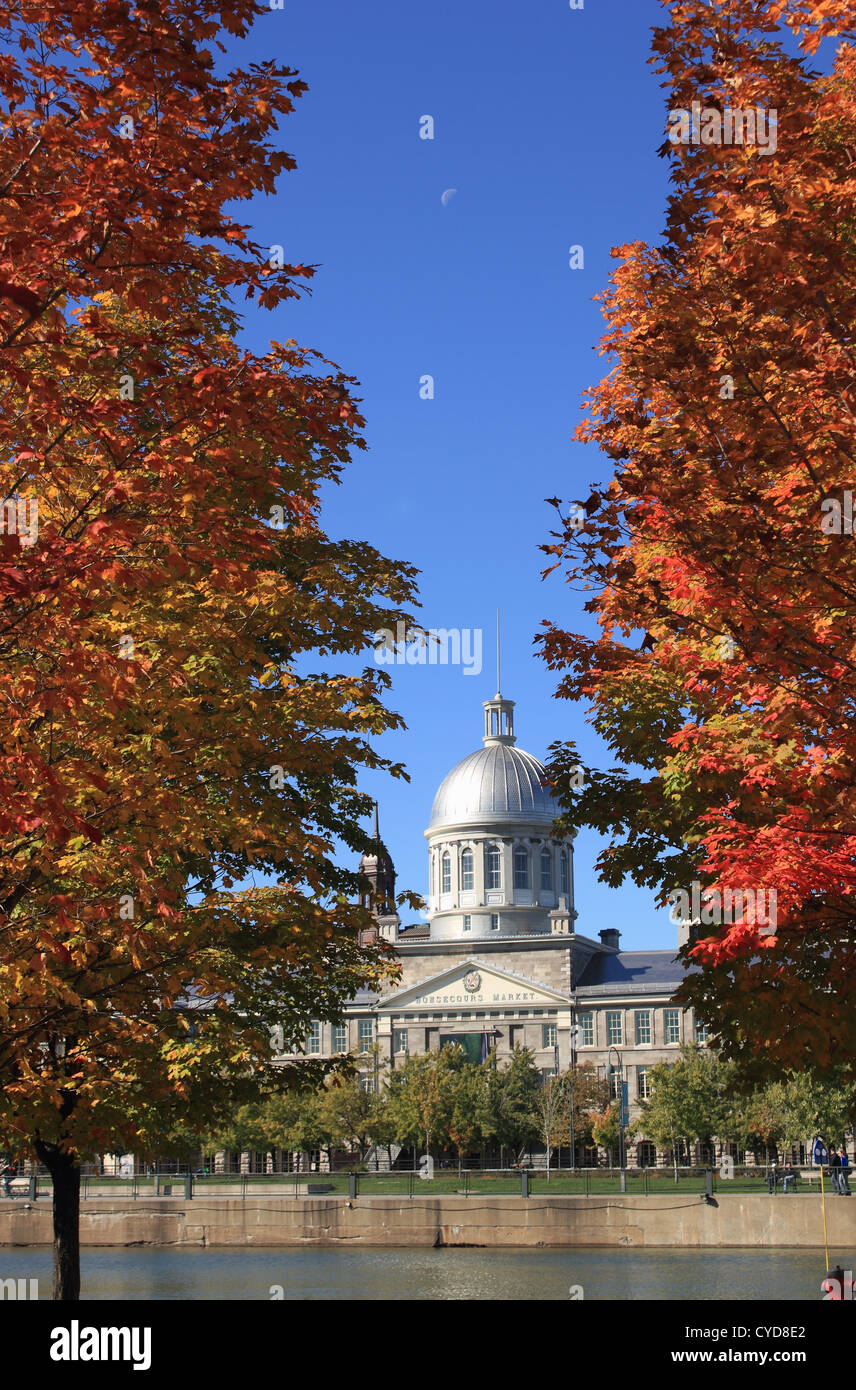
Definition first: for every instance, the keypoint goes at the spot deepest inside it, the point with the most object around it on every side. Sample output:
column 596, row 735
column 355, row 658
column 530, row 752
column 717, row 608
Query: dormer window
column 563, row 873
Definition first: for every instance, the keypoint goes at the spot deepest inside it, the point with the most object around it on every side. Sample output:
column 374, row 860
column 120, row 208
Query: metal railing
column 527, row 1181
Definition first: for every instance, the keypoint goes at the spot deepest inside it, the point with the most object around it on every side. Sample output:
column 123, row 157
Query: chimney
column 609, row 936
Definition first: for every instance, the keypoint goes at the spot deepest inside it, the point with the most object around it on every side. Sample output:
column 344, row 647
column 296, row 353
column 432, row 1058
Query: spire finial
column 498, row 686
column 376, row 827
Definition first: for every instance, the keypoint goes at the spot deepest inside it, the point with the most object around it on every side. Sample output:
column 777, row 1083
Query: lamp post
column 819, row 1155
column 617, row 1069
column 557, row 1075
column 571, row 1080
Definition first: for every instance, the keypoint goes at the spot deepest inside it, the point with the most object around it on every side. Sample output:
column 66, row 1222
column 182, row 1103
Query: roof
column 496, row 783
column 415, row 929
column 632, row 972
column 365, row 997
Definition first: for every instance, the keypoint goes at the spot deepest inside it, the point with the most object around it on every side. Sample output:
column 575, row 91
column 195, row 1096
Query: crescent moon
column 444, row 199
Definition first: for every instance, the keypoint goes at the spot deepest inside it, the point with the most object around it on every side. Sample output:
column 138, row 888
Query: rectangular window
column 546, row 871
column 365, row 1083
column 643, row 1086
column 340, row 1037
column 468, row 922
column 586, row 1027
column 672, row 1024
column 643, row 1026
column 521, row 868
column 494, row 921
column 313, row 1038
column 467, row 872
column 365, row 1033
column 702, row 1032
column 548, row 1034
column 614, row 1031
column 614, row 1082
column 400, row 1040
column 547, row 1073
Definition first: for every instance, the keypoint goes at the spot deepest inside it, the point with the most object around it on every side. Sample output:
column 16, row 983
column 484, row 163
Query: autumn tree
column 174, row 721
column 589, row 1094
column 718, row 555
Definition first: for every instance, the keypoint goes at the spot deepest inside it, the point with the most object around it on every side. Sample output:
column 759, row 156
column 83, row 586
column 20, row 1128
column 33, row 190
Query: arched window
column 446, row 877
column 467, row 879
column 492, row 867
column 563, row 873
column 546, row 871
column 521, row 868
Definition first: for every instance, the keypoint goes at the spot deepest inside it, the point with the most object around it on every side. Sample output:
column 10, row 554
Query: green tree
column 789, row 1112
column 509, row 1099
column 688, row 1099
column 467, row 1108
column 421, row 1097
column 550, row 1115
column 358, row 1119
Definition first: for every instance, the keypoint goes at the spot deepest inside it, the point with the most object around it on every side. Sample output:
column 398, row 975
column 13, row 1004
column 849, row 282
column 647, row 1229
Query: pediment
column 476, row 984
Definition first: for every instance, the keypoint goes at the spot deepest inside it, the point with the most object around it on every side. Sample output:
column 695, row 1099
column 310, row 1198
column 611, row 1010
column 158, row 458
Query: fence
column 527, row 1182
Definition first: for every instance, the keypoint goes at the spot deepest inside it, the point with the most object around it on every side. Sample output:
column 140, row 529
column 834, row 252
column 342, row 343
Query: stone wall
column 677, row 1220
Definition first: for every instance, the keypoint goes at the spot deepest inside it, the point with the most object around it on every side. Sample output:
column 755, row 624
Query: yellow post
column 823, row 1204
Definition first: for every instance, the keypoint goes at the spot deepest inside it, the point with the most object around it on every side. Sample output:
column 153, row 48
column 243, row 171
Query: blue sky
column 547, row 121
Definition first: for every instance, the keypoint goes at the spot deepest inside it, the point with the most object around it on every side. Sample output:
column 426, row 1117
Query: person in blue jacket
column 844, row 1173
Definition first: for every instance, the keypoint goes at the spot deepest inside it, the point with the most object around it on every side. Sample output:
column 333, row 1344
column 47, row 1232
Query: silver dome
column 496, row 783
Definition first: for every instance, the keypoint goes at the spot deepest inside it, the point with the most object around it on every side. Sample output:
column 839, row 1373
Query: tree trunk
column 65, row 1175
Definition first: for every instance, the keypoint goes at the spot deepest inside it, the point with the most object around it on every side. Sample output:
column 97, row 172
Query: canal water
column 158, row 1272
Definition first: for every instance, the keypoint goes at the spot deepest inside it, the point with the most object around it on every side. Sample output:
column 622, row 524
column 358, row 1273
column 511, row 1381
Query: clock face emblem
column 472, row 982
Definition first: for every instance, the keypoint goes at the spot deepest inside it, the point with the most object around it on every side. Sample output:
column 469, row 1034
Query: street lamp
column 571, row 1079
column 617, row 1069
column 557, row 1073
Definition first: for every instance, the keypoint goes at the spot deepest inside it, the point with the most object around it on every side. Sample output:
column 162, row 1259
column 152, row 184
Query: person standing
column 844, row 1173
column 835, row 1169
column 8, row 1172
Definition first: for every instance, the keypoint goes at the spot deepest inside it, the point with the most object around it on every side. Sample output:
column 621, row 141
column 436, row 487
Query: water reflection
column 694, row 1275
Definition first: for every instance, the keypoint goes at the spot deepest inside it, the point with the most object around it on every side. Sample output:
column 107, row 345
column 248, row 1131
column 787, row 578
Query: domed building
column 496, row 869
column 500, row 962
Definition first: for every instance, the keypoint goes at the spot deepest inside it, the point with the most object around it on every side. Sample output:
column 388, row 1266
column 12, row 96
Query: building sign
column 475, row 988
